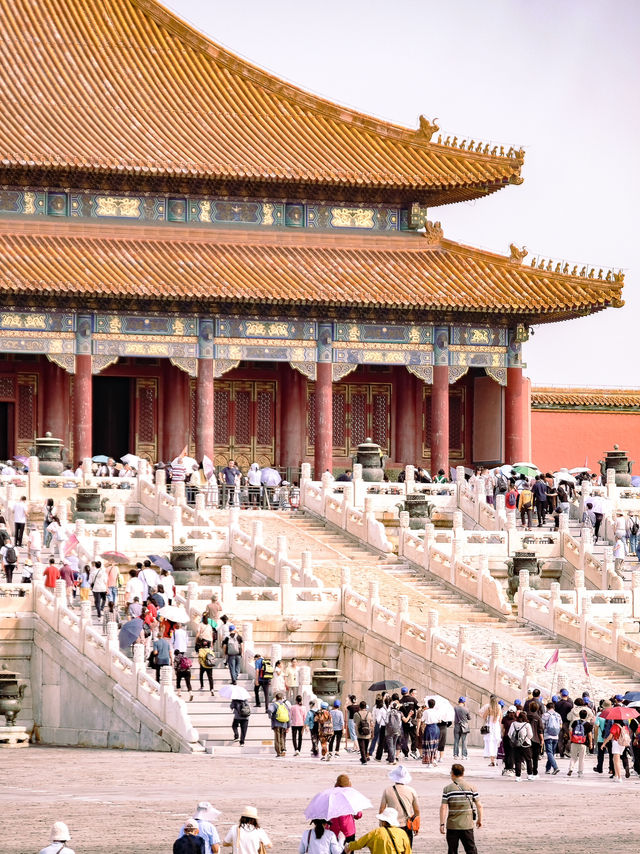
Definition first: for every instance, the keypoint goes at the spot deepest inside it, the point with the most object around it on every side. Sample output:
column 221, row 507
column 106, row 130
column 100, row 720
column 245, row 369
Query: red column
column 82, row 409
column 204, row 409
column 294, row 419
column 56, row 402
column 406, row 418
column 514, row 446
column 323, row 458
column 440, row 420
column 176, row 411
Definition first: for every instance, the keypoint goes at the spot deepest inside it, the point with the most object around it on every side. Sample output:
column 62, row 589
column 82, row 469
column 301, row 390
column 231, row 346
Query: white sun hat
column 390, row 816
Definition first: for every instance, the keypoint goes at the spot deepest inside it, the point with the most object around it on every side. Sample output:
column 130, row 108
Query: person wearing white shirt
column 180, row 639
column 149, row 579
column 379, row 732
column 134, row 588
column 34, row 544
column 247, row 836
column 19, row 519
column 597, row 503
column 319, row 839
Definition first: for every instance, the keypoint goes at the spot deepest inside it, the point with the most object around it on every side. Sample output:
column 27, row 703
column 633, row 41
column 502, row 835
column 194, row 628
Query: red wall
column 569, row 438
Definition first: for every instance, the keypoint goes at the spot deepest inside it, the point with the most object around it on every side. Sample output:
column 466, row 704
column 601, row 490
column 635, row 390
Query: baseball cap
column 564, row 692
column 501, row 703
column 336, row 704
column 517, row 702
column 555, row 698
column 512, row 709
column 618, row 696
column 404, row 690
column 232, row 628
column 462, row 699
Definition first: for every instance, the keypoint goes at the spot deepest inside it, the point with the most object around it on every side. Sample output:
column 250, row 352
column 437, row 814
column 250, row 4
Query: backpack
column 624, row 739
column 501, row 484
column 282, row 713
column 562, row 495
column 10, row 556
column 553, row 725
column 635, row 527
column 511, row 499
column 325, row 724
column 526, row 497
column 233, row 645
column 266, row 671
column 364, row 725
column 394, row 722
column 209, row 660
column 184, row 663
column 245, row 709
column 520, row 737
column 578, row 735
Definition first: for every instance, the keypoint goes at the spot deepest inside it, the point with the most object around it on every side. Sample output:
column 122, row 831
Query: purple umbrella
column 23, row 460
column 160, row 562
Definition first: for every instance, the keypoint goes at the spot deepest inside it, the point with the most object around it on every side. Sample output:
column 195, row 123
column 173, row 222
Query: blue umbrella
column 129, row 632
column 100, row 458
column 160, row 562
column 632, row 696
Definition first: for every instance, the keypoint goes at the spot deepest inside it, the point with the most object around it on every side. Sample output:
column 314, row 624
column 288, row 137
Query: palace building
column 194, row 252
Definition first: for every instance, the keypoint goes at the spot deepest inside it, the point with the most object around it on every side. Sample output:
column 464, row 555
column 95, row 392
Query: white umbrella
column 132, row 459
column 233, row 692
column 174, row 613
column 187, row 462
column 579, row 470
column 270, row 477
column 563, row 474
column 442, row 708
column 331, row 803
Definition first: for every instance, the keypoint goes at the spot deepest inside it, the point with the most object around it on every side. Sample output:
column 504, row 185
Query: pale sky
column 559, row 77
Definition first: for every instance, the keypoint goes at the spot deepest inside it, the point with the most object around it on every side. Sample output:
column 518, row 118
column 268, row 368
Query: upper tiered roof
column 46, row 259
column 94, row 89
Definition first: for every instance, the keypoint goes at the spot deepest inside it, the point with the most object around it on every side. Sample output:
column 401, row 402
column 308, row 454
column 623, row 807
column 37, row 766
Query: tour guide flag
column 584, row 662
column 552, row 660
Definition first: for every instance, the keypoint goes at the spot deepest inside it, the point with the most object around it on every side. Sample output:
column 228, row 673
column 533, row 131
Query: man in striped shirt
column 178, row 471
column 459, row 811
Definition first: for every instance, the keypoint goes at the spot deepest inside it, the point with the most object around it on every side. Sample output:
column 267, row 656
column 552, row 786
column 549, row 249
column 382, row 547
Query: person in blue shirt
column 204, row 816
column 337, row 719
column 312, row 725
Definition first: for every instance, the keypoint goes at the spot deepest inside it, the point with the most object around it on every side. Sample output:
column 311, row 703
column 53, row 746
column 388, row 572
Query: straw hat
column 250, row 812
column 60, row 832
column 390, row 816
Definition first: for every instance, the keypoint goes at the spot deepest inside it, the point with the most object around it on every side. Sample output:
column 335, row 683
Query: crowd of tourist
column 332, row 817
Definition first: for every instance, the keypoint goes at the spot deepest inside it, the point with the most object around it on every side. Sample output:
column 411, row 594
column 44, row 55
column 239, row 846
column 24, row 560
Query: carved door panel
column 457, row 427
column 26, row 414
column 359, row 411
column 264, row 448
column 244, row 422
column 146, row 418
column 222, row 425
column 359, row 416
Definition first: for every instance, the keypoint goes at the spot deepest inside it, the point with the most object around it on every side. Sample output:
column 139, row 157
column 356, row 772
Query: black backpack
column 245, row 709
column 10, row 556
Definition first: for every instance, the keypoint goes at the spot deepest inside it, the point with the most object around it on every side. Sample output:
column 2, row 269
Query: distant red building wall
column 568, row 438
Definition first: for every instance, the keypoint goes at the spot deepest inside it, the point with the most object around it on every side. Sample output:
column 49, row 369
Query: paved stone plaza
column 132, row 803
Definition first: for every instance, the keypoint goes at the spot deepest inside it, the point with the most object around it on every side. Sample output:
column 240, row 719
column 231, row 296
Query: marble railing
column 103, row 651
column 592, row 619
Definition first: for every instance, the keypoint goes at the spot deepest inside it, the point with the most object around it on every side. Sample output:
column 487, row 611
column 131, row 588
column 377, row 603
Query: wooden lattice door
column 244, row 422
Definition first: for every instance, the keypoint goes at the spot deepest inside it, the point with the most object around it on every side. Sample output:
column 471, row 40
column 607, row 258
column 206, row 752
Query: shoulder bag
column 412, row 821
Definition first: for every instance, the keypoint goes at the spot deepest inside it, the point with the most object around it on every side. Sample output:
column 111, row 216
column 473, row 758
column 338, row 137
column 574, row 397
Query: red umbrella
column 115, row 557
column 618, row 713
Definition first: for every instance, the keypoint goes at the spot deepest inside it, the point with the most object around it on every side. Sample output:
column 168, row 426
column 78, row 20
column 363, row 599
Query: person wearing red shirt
column 51, row 575
column 151, row 613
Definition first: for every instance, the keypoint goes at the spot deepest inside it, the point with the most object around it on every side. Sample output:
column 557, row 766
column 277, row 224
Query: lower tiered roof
column 190, row 265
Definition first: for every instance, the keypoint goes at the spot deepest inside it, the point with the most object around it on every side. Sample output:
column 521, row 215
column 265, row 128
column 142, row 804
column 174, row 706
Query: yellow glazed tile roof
column 40, row 257
column 125, row 87
column 552, row 397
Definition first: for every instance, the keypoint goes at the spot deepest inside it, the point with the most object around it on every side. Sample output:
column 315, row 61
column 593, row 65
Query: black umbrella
column 385, row 685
